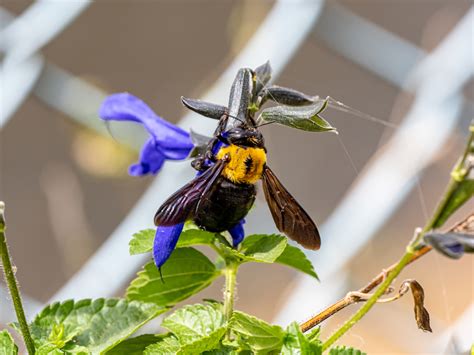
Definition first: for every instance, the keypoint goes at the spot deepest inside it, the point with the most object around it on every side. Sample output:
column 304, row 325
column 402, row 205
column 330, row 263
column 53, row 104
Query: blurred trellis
column 439, row 108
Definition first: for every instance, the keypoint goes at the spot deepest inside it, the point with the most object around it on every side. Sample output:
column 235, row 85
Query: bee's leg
column 221, row 125
column 198, row 164
column 203, row 162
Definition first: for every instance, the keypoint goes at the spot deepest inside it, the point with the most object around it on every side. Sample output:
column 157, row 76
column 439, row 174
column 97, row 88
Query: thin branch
column 352, row 298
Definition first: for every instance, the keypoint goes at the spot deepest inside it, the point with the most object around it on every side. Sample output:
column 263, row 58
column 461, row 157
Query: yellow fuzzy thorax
column 245, row 165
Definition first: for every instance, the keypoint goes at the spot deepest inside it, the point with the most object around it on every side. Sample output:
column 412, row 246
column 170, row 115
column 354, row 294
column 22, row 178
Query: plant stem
column 347, row 301
column 13, row 284
column 370, row 303
column 230, row 273
column 458, row 174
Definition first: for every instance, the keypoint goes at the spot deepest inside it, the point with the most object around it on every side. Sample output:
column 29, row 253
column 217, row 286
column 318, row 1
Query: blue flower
column 165, row 242
column 166, row 142
column 237, row 232
column 166, row 238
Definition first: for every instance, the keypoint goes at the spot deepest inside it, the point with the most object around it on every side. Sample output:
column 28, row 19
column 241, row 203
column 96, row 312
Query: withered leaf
column 422, row 316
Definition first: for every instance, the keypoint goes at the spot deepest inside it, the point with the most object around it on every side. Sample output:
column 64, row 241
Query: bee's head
column 244, row 136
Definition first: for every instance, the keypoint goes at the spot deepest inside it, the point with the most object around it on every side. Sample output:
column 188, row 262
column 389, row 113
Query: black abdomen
column 224, row 205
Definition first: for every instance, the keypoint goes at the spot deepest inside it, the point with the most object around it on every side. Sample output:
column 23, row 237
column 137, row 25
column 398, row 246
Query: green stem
column 230, row 273
column 13, row 284
column 458, row 174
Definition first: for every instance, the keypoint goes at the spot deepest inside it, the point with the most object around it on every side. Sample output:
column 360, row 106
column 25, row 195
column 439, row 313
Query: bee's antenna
column 264, row 124
column 238, row 119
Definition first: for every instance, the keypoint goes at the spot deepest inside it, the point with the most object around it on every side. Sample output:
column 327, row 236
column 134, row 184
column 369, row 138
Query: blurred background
column 64, row 176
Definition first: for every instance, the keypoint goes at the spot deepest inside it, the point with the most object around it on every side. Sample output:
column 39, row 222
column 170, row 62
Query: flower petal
column 126, row 107
column 176, row 153
column 165, row 242
column 237, row 232
column 151, row 160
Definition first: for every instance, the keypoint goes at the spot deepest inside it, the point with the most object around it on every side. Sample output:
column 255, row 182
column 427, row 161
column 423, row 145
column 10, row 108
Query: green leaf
column 51, row 349
column 185, row 273
column 306, row 118
column 227, row 350
column 135, row 346
column 97, row 325
column 192, row 322
column 461, row 194
column 313, row 335
column 296, row 342
column 461, row 187
column 7, row 345
column 48, row 349
column 195, row 237
column 263, row 248
column 342, row 350
column 256, row 334
column 167, row 345
column 295, row 258
column 263, row 74
column 198, row 327
column 142, row 242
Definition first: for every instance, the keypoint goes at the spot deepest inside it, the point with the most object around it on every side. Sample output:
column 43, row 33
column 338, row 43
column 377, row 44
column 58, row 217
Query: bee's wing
column 181, row 205
column 290, row 218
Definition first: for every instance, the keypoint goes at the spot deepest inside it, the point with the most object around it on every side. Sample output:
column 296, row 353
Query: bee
column 229, row 168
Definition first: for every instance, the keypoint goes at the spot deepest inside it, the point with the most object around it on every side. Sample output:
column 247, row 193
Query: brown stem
column 347, row 301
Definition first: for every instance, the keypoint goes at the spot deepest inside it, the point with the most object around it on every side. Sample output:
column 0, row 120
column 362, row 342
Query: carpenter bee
column 229, row 167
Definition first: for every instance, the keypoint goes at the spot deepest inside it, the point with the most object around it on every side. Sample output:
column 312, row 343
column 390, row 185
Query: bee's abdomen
column 225, row 205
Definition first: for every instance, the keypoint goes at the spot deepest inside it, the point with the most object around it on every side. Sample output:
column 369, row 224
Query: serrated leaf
column 295, row 258
column 48, row 349
column 256, row 334
column 226, row 350
column 313, row 335
column 142, row 242
column 195, row 237
column 171, row 345
column 97, row 325
column 51, row 349
column 306, row 118
column 263, row 248
column 199, row 327
column 7, row 345
column 166, row 345
column 185, row 273
column 295, row 342
column 135, row 346
column 342, row 350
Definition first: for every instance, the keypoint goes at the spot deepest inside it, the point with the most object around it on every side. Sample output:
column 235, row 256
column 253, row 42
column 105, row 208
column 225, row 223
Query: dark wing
column 290, row 218
column 181, row 205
